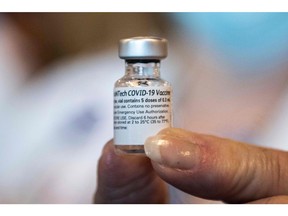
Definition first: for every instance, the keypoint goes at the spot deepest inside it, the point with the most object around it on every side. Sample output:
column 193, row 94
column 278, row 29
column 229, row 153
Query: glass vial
column 142, row 100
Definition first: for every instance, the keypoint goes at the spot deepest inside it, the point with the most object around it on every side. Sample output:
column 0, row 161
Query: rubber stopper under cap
column 143, row 48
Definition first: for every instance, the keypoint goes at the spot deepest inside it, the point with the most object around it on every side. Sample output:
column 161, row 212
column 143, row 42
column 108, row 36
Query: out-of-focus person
column 228, row 73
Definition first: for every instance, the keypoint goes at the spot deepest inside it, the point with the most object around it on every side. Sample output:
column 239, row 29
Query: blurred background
column 57, row 70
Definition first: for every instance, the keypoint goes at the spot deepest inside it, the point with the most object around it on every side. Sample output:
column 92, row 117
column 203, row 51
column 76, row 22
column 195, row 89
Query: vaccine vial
column 142, row 100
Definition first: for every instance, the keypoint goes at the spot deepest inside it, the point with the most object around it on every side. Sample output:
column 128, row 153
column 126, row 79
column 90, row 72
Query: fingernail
column 152, row 148
column 172, row 151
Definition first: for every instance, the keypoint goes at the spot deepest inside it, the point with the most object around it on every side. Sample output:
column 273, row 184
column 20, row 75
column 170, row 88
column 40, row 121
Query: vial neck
column 143, row 68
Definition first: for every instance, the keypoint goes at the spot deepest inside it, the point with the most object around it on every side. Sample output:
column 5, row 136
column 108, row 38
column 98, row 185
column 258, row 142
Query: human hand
column 219, row 169
column 201, row 165
column 127, row 179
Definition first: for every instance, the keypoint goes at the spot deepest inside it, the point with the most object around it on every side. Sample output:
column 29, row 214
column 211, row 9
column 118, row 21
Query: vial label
column 140, row 112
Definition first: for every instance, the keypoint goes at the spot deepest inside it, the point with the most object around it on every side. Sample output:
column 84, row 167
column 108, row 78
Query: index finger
column 216, row 168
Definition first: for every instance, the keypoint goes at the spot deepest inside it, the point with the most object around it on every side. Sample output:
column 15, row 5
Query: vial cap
column 143, row 48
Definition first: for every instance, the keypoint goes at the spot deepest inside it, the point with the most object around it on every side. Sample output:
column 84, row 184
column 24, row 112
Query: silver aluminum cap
column 143, row 48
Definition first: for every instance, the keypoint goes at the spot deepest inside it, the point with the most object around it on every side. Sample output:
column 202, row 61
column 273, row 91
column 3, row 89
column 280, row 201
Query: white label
column 140, row 112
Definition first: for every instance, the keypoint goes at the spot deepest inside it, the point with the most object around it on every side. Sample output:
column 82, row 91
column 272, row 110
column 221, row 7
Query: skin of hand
column 202, row 165
column 128, row 179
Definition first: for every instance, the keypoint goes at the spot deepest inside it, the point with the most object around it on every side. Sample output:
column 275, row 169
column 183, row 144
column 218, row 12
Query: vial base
column 130, row 149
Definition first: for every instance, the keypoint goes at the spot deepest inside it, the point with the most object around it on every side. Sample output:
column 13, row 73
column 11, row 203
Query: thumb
column 127, row 179
column 217, row 168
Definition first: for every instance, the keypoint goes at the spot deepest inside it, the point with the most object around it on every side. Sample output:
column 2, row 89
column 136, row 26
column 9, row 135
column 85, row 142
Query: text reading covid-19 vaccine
column 142, row 100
